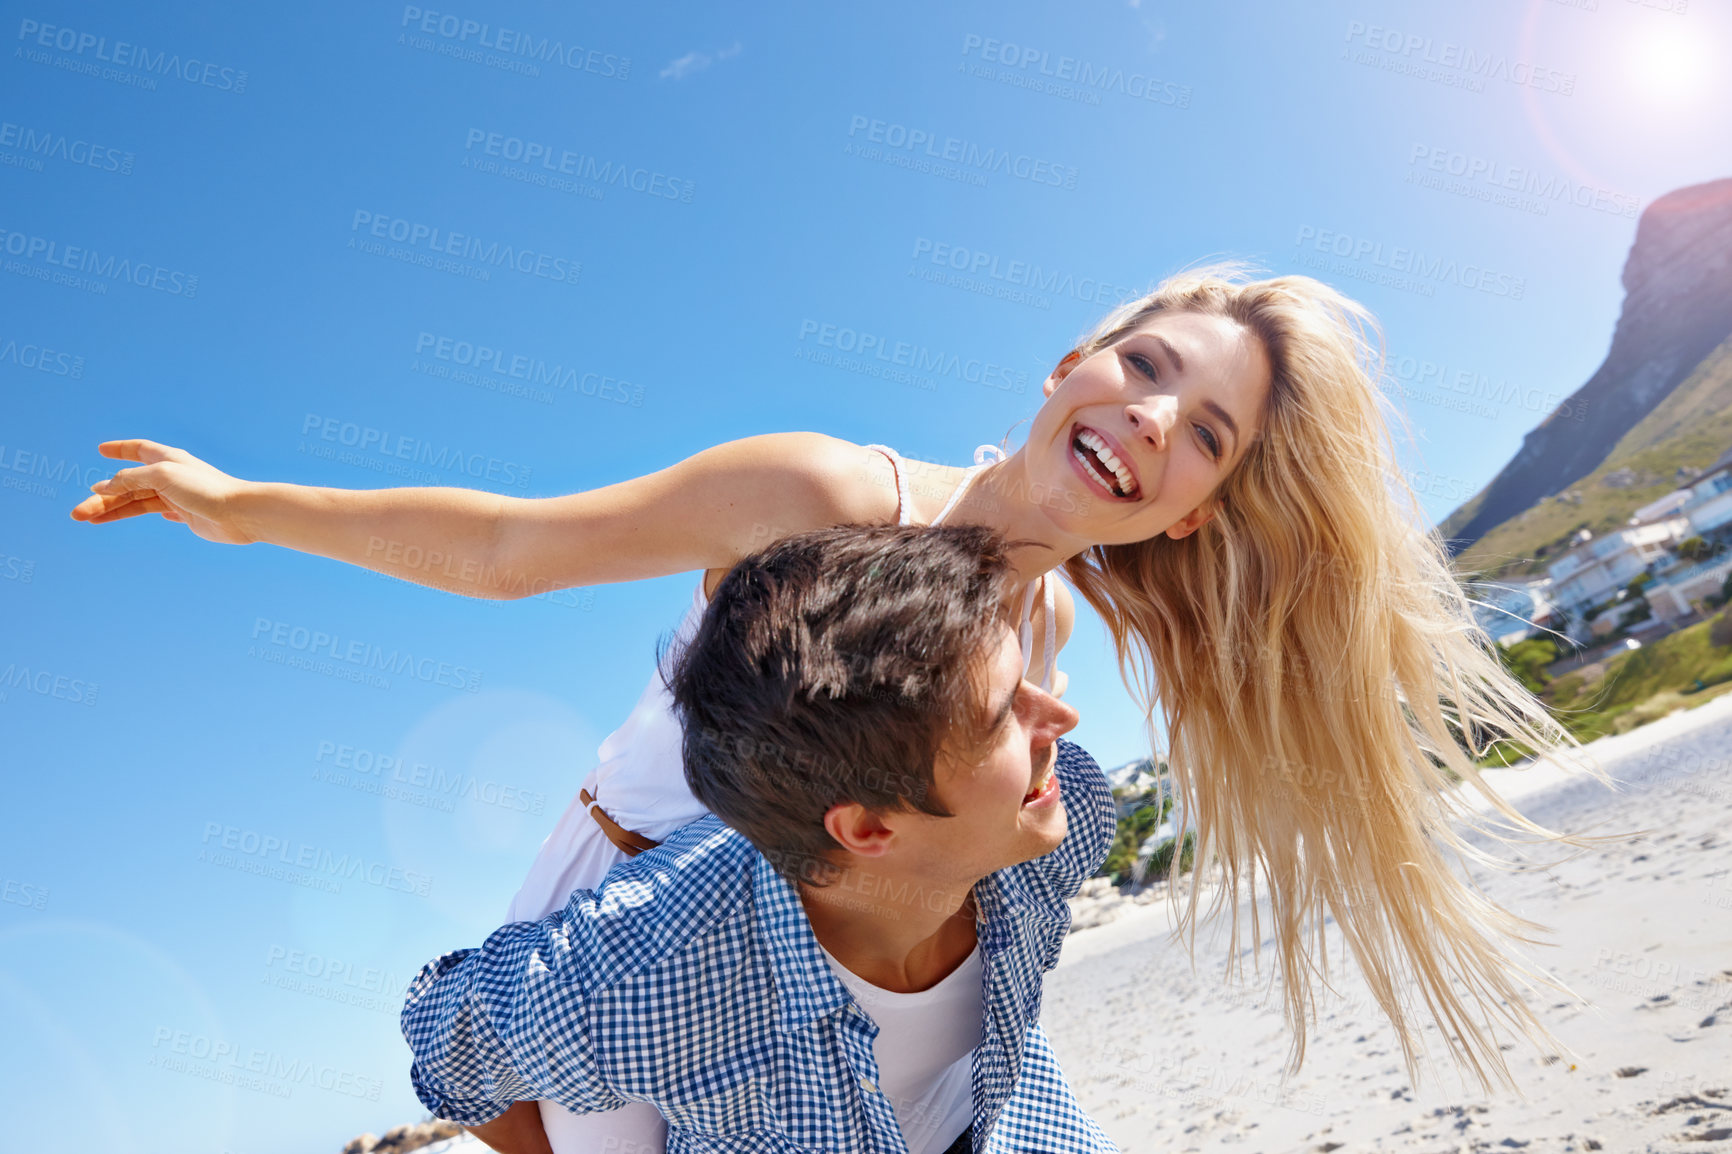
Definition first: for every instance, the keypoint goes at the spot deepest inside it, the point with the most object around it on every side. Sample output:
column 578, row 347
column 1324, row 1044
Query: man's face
column 1004, row 796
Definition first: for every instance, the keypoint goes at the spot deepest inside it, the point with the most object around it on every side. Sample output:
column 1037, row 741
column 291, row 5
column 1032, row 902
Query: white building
column 1671, row 596
column 1504, row 608
column 1710, row 505
column 1707, row 503
column 1598, row 567
column 1672, row 502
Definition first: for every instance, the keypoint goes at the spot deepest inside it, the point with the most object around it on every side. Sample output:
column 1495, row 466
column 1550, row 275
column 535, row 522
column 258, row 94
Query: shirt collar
column 807, row 989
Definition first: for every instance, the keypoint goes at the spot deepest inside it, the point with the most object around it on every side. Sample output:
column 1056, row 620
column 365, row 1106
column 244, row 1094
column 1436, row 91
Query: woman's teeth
column 1105, row 456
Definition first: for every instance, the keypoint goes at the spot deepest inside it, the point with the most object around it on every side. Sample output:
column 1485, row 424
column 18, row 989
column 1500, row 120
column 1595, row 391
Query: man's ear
column 1071, row 360
column 1191, row 522
column 857, row 829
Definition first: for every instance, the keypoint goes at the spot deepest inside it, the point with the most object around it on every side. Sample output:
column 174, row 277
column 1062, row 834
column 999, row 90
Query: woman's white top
column 640, row 780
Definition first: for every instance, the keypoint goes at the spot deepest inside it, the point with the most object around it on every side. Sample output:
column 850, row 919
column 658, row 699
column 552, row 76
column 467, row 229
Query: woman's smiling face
column 1143, row 432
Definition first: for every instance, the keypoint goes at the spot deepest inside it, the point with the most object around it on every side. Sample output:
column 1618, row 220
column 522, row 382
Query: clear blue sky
column 161, row 992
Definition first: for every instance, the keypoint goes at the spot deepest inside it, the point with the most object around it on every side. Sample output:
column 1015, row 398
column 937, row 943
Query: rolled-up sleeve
column 507, row 1022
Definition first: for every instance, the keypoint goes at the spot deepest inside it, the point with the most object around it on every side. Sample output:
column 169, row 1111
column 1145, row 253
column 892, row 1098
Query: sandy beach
column 1174, row 1061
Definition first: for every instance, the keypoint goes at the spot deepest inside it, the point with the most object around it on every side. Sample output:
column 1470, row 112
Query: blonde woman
column 1212, row 469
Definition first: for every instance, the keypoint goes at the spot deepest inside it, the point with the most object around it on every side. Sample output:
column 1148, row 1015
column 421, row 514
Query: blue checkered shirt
column 691, row 980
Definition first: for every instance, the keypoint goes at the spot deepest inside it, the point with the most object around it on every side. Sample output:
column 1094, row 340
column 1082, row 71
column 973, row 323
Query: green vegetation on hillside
column 1134, row 829
column 1689, row 429
column 1634, row 687
column 1640, row 685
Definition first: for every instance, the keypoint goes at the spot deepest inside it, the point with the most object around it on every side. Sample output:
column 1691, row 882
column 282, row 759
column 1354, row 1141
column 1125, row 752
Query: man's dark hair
column 831, row 667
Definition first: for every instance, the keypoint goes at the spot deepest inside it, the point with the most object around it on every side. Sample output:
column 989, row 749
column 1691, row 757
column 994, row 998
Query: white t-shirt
column 923, row 1049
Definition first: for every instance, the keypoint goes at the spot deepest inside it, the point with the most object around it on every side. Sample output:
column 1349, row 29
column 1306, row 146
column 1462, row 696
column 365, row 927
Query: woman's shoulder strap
column 1050, row 651
column 904, row 506
column 1025, row 630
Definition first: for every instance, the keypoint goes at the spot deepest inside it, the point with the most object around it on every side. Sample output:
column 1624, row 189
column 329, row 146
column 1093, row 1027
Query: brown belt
column 629, row 843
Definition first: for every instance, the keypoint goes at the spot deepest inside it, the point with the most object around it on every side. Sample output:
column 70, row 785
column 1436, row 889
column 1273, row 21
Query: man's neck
column 898, row 937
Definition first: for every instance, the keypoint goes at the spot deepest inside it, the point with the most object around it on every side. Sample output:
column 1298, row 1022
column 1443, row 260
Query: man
column 848, row 955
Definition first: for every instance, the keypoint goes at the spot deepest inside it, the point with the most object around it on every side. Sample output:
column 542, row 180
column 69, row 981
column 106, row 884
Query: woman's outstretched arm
column 435, row 536
column 704, row 512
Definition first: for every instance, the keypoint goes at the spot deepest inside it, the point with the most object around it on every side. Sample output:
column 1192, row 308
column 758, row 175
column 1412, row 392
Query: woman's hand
column 169, row 481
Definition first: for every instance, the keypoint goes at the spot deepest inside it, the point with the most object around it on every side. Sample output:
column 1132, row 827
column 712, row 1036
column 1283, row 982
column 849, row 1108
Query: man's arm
column 509, row 1022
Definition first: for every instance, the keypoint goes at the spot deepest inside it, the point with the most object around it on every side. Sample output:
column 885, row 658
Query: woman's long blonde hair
column 1321, row 673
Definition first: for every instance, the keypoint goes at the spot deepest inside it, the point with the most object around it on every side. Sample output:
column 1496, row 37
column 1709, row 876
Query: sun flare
column 1667, row 64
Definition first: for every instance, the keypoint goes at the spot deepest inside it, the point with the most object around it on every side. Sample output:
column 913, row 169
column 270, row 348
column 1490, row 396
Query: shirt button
column 869, row 1085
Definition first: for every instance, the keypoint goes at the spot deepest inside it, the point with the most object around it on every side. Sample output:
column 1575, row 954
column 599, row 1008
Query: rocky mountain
column 1677, row 309
column 1688, row 432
